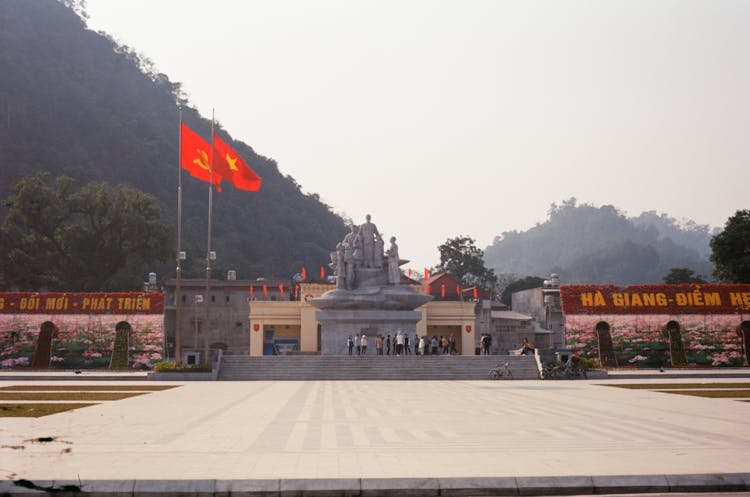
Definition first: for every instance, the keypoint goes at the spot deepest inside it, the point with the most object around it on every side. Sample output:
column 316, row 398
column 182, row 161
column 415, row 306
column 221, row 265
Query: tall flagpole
column 177, row 296
column 207, row 326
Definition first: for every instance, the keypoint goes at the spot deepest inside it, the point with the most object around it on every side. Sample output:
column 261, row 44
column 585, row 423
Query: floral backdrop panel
column 82, row 340
column 643, row 340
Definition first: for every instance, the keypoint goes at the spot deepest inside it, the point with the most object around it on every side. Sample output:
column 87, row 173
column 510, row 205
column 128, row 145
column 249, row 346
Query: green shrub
column 164, row 366
column 589, row 363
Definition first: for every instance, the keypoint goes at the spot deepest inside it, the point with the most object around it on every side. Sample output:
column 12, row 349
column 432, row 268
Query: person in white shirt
column 399, row 343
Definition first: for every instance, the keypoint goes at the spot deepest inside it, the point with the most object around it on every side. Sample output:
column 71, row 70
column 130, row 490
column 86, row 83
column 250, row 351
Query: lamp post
column 178, row 309
column 211, row 256
column 198, row 299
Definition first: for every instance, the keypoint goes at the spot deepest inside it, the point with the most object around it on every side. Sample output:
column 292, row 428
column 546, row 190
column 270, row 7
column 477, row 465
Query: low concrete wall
column 180, row 376
column 390, row 487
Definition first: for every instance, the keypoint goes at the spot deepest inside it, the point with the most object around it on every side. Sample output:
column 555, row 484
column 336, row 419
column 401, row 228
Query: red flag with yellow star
column 195, row 157
column 231, row 166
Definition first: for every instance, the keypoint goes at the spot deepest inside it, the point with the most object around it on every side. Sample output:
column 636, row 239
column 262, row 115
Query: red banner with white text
column 81, row 303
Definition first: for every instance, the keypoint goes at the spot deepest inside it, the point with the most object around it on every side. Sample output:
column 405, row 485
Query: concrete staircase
column 371, row 367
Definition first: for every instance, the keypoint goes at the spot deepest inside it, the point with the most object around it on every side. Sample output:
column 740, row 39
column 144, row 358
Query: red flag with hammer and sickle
column 195, row 157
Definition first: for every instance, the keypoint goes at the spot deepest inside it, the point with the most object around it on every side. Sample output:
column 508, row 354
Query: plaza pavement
column 374, row 438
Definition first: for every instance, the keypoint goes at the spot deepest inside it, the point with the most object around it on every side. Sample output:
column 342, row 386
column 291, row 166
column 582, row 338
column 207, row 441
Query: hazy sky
column 443, row 118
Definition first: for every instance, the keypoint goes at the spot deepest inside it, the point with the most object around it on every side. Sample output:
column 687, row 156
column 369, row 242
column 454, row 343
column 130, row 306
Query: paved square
column 382, row 429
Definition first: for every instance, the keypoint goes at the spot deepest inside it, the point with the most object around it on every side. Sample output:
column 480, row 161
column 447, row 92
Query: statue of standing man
column 370, row 239
column 394, row 274
column 348, row 246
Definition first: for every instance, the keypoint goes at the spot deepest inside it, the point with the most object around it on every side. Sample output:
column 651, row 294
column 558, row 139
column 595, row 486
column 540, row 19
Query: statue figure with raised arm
column 370, row 236
column 394, row 274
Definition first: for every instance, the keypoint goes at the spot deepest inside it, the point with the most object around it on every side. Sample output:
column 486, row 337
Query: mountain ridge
column 588, row 244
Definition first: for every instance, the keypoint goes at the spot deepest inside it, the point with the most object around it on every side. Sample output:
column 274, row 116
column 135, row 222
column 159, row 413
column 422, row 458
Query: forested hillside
column 74, row 102
column 587, row 244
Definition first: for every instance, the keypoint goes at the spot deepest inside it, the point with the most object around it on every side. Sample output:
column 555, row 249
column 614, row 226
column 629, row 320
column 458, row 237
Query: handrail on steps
column 215, row 372
column 538, row 362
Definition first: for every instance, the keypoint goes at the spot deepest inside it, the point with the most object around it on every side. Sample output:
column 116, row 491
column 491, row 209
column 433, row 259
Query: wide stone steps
column 372, row 367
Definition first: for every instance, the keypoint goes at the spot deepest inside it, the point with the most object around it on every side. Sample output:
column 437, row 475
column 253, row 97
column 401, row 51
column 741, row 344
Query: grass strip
column 37, row 410
column 86, row 388
column 677, row 386
column 68, row 396
column 712, row 394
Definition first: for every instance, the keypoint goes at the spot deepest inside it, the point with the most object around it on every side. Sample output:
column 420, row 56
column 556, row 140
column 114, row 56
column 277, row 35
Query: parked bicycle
column 563, row 371
column 501, row 370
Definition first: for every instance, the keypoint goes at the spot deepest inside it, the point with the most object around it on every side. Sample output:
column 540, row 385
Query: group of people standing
column 402, row 344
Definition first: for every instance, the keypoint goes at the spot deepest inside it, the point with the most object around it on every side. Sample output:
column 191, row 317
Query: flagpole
column 207, row 327
column 177, row 296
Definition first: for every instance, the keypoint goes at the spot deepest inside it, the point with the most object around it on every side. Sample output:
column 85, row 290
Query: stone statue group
column 361, row 250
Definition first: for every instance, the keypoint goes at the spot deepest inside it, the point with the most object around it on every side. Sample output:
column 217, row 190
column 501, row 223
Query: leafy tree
column 678, row 275
column 731, row 249
column 460, row 258
column 525, row 283
column 503, row 281
column 97, row 237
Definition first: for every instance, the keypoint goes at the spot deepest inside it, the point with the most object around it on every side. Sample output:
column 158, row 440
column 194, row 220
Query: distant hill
column 74, row 102
column 587, row 244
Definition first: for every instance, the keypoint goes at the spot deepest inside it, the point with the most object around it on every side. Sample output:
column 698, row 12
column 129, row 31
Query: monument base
column 338, row 325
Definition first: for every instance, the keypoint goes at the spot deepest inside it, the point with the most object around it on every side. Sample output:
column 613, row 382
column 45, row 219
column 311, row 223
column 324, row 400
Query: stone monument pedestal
column 338, row 325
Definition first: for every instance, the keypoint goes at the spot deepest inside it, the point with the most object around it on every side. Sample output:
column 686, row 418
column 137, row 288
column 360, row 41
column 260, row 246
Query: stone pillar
column 469, row 340
column 42, row 353
column 119, row 359
column 422, row 324
column 339, row 324
column 256, row 338
column 308, row 329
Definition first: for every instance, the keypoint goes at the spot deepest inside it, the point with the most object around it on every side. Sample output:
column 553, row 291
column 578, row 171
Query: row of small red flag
column 303, row 273
column 458, row 291
column 196, row 158
column 442, row 287
column 281, row 291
